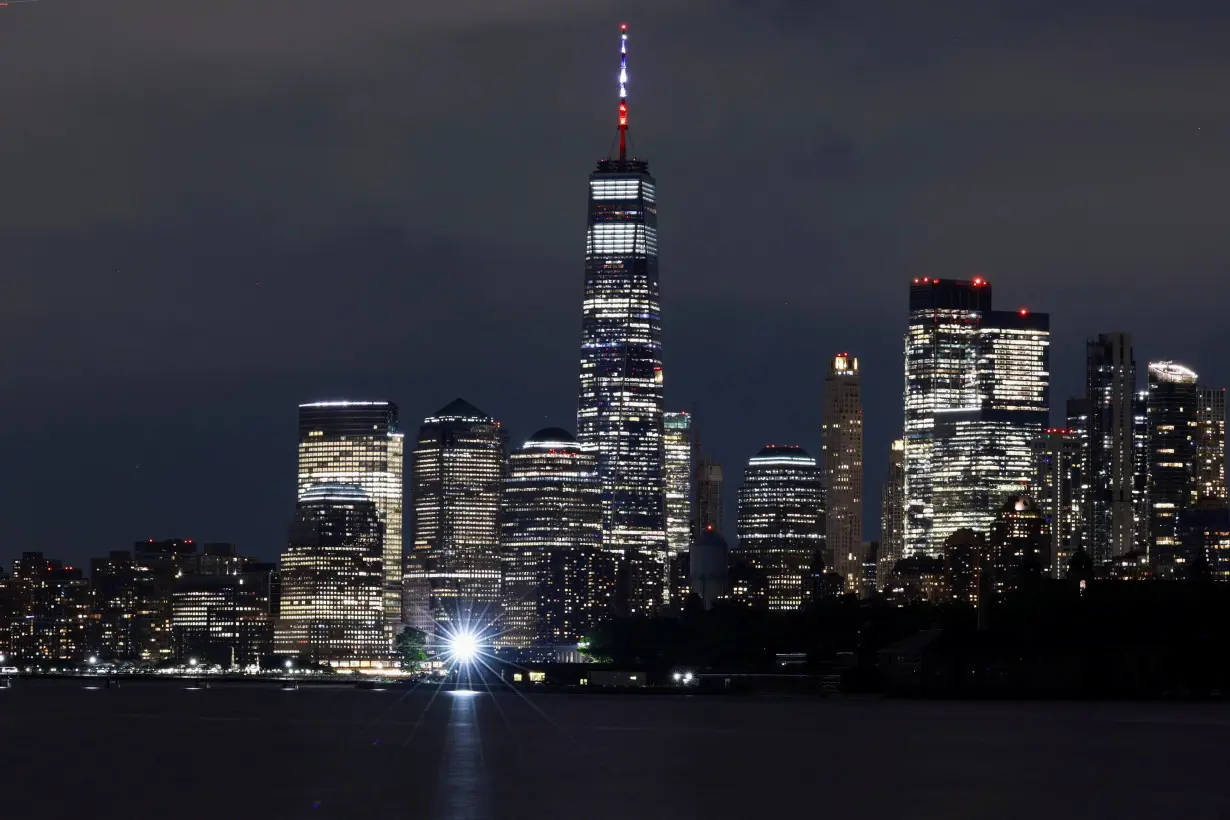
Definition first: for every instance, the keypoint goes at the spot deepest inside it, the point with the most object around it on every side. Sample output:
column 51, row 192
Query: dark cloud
column 212, row 212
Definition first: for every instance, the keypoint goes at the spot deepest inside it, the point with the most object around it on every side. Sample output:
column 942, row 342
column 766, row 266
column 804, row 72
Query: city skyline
column 738, row 313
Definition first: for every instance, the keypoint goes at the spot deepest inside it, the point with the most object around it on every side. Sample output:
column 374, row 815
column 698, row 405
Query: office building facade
column 1210, row 465
column 359, row 443
column 1112, row 503
column 944, row 319
column 678, row 450
column 558, row 581
column 454, row 569
column 1058, row 491
column 781, row 523
column 331, row 607
column 620, row 413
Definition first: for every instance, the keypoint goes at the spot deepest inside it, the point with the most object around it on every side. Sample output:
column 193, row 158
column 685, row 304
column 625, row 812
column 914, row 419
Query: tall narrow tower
column 620, row 411
column 1110, row 374
column 842, row 449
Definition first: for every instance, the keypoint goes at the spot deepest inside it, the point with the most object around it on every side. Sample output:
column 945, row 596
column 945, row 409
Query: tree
column 411, row 644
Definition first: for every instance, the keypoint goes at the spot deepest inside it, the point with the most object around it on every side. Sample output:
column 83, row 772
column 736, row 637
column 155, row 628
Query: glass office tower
column 620, row 410
column 1110, row 385
column 358, row 443
column 781, row 522
column 984, row 453
column 977, row 395
column 331, row 608
column 678, row 481
column 558, row 581
column 456, row 484
column 945, row 315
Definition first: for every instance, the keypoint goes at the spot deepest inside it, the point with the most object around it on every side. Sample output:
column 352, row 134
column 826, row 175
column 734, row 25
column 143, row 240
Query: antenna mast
column 623, row 92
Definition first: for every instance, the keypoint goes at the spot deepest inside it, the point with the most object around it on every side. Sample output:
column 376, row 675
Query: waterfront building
column 331, row 609
column 359, row 443
column 558, row 582
column 454, row 571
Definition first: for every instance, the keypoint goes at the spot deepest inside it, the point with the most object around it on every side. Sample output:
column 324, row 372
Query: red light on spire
column 1023, row 312
column 623, row 26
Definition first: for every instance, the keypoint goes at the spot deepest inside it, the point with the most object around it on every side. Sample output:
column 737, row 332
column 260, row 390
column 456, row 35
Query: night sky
column 210, row 212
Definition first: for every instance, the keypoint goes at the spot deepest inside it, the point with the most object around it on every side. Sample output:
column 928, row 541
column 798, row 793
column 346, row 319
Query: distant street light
column 289, row 663
column 192, row 661
column 93, row 660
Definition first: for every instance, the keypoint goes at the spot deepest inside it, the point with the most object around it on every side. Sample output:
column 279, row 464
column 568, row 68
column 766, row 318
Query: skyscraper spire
column 623, row 92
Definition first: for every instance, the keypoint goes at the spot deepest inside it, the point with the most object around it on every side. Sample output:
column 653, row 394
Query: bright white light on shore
column 463, row 647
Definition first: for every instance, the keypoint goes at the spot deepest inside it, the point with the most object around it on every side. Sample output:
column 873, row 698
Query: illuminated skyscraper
column 558, row 581
column 358, row 443
column 1110, row 386
column 1141, row 511
column 1057, row 487
column 944, row 319
column 977, row 395
column 1174, row 426
column 457, row 474
column 984, row 453
column 331, row 609
column 620, row 413
column 781, row 522
column 1210, row 464
column 892, row 514
column 842, row 459
column 678, row 480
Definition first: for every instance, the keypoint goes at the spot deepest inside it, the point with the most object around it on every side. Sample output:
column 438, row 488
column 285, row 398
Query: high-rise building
column 124, row 610
column 983, row 453
column 332, row 581
column 53, row 604
column 1210, row 467
column 939, row 378
column 842, row 458
column 892, row 514
column 454, row 570
column 977, row 395
column 1141, row 512
column 359, row 443
column 1019, row 545
column 620, row 412
column 10, row 610
column 1057, row 488
column 1110, row 386
column 1174, row 427
column 558, row 581
column 224, row 618
column 781, row 522
column 708, row 509
column 678, row 481
column 158, row 565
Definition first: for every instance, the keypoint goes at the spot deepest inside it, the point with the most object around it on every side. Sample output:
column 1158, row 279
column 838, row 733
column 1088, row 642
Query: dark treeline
column 1113, row 639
